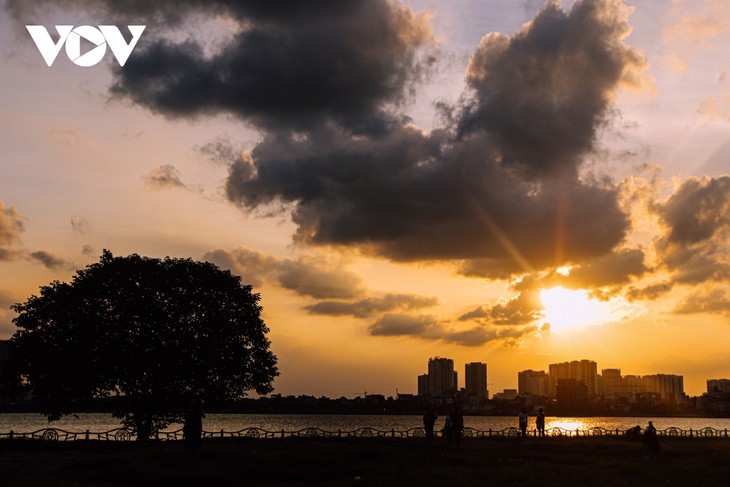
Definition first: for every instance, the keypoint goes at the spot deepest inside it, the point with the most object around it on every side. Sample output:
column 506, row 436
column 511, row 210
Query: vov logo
column 71, row 37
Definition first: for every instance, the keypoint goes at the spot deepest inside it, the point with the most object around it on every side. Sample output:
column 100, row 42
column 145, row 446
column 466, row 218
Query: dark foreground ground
column 404, row 462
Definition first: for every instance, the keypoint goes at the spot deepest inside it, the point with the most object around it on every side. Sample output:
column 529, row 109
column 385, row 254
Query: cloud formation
column 499, row 190
column 50, row 261
column 289, row 65
column 165, row 176
column 11, row 224
column 696, row 218
column 519, row 310
column 306, row 276
column 364, row 308
column 430, row 328
column 80, row 225
column 715, row 301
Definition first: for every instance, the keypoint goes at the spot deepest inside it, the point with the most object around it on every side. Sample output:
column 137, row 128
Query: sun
column 567, row 309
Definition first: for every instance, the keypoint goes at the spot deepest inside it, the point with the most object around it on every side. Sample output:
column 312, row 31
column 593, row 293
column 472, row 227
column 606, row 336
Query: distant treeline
column 414, row 405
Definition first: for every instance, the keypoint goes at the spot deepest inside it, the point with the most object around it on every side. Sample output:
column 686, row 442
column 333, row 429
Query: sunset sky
column 512, row 182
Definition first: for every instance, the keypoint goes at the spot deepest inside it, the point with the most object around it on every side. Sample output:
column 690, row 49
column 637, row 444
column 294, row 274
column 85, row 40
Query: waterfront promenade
column 508, row 461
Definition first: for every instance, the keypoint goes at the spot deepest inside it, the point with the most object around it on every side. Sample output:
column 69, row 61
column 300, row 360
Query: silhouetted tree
column 154, row 333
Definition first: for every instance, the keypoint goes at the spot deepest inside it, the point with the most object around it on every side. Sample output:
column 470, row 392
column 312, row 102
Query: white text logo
column 71, row 37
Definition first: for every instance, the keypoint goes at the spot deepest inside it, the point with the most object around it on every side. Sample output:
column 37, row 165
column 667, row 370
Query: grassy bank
column 505, row 461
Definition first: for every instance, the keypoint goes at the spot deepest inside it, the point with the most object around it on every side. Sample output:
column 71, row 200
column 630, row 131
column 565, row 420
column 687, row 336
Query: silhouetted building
column 423, row 385
column 610, row 383
column 718, row 386
column 533, row 382
column 631, row 385
column 441, row 379
column 580, row 370
column 668, row 386
column 506, row 395
column 476, row 380
column 571, row 393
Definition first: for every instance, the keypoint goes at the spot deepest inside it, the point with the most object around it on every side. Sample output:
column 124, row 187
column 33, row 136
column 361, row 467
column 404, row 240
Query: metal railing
column 122, row 434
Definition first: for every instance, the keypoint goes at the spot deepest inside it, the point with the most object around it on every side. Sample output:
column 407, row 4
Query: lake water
column 99, row 422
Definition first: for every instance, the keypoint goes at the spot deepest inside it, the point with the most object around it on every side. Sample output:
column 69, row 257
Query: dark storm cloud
column 497, row 195
column 409, row 196
column 497, row 192
column 697, row 211
column 305, row 276
column 335, row 60
column 544, row 93
column 697, row 222
column 286, row 64
column 165, row 176
column 369, row 306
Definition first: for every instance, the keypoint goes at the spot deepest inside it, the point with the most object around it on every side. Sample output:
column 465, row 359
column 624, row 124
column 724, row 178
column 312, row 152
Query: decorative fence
column 121, row 434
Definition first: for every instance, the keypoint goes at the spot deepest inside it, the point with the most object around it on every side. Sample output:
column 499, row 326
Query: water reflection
column 571, row 424
column 97, row 422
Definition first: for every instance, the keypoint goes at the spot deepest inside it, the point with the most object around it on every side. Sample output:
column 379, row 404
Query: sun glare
column 566, row 309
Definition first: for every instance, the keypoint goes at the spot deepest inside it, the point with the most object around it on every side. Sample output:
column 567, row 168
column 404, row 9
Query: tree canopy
column 153, row 333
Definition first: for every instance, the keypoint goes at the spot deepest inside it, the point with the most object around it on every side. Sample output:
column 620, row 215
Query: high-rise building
column 442, row 378
column 631, row 385
column 476, row 379
column 718, row 386
column 581, row 370
column 610, row 383
column 533, row 382
column 571, row 392
column 668, row 386
column 423, row 385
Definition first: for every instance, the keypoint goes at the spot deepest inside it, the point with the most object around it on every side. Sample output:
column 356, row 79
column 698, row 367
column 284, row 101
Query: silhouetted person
column 634, row 433
column 523, row 421
column 193, row 427
column 540, row 422
column 429, row 420
column 448, row 430
column 457, row 423
column 651, row 441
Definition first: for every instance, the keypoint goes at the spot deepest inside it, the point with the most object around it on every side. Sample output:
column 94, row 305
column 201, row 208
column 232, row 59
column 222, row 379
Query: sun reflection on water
column 571, row 424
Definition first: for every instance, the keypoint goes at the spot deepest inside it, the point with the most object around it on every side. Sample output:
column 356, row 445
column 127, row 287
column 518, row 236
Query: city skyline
column 441, row 380
column 496, row 181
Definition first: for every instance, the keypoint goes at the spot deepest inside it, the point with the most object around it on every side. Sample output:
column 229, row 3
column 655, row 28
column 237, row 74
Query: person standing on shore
column 540, row 422
column 523, row 421
column 193, row 427
column 457, row 423
column 651, row 441
column 429, row 420
column 448, row 430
